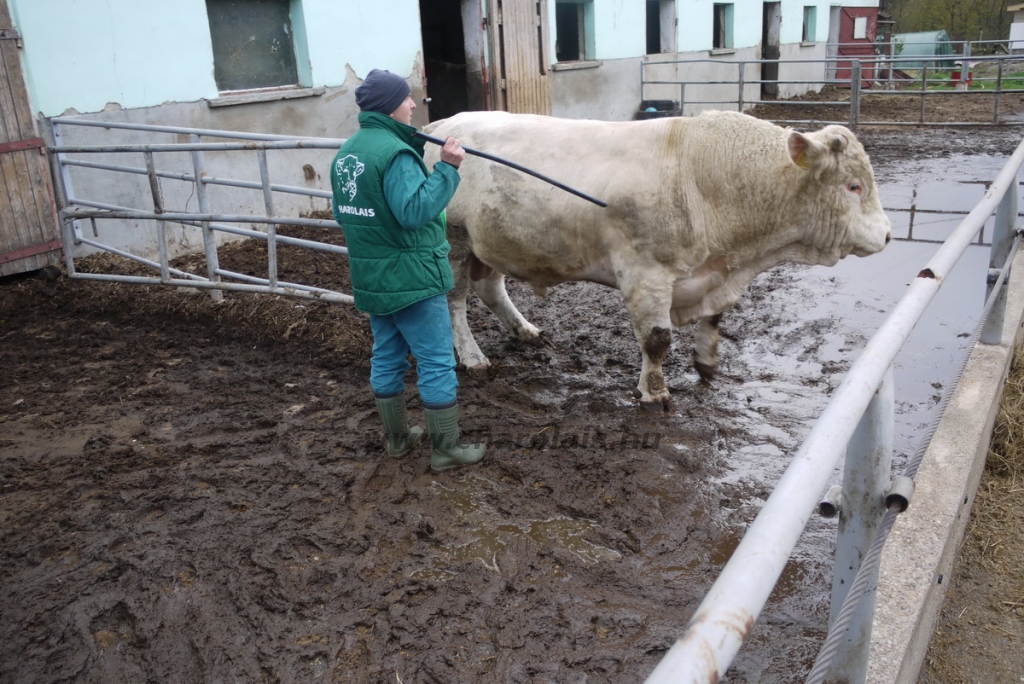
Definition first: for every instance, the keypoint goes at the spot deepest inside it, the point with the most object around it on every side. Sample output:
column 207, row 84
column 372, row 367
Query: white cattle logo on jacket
column 348, row 169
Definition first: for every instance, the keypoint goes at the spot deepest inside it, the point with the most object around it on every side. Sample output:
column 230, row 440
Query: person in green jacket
column 391, row 208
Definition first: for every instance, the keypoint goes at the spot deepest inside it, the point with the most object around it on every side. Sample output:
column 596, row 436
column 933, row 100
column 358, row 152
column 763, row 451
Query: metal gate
column 75, row 210
column 29, row 236
column 520, row 56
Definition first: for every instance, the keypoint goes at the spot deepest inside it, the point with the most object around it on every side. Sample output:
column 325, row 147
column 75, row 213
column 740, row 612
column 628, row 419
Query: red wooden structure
column 857, row 29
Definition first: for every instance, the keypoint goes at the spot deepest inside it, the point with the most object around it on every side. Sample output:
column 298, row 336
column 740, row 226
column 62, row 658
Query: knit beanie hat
column 382, row 91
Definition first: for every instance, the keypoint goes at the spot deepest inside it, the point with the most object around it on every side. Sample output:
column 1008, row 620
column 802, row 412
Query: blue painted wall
column 84, row 54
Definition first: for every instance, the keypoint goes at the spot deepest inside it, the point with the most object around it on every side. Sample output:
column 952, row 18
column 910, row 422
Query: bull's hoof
column 478, row 371
column 707, row 373
column 534, row 340
column 657, row 406
column 653, row 404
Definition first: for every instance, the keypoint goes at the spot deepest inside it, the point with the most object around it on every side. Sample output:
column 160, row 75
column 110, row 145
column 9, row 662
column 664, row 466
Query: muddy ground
column 196, row 492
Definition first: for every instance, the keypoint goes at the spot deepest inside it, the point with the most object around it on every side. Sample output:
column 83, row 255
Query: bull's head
column 852, row 211
column 348, row 169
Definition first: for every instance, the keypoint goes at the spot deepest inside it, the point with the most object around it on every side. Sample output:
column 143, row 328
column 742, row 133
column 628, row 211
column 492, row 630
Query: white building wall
column 1017, row 37
column 696, row 21
column 619, row 29
column 83, row 55
column 370, row 34
column 687, row 76
column 803, row 65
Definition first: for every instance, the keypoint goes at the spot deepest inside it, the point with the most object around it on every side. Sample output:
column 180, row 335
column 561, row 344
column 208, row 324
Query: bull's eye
column 855, row 187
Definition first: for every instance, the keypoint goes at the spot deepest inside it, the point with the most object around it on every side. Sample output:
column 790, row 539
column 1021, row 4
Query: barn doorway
column 453, row 56
column 520, row 53
column 771, row 29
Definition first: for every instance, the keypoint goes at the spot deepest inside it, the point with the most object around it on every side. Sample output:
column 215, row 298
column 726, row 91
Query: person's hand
column 452, row 152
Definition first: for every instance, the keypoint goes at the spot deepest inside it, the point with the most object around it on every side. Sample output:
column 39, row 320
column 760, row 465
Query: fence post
column 209, row 239
column 268, row 204
column 854, row 94
column 999, row 90
column 643, row 75
column 1002, row 238
column 965, row 64
column 70, row 230
column 866, row 477
column 924, row 88
column 158, row 208
column 741, row 66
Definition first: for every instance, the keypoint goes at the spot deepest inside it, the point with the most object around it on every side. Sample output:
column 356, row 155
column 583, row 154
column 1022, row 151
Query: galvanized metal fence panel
column 864, row 81
column 75, row 209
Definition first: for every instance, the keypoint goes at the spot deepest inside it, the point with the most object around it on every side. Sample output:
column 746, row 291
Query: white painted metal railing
column 861, row 406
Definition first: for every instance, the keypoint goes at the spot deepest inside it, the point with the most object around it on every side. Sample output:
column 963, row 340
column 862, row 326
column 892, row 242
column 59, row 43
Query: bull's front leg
column 705, row 355
column 649, row 304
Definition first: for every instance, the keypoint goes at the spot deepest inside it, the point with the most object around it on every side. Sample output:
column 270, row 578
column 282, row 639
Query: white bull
column 697, row 207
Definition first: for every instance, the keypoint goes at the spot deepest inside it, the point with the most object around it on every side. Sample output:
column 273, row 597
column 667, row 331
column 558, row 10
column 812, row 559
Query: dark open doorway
column 445, row 59
column 770, row 49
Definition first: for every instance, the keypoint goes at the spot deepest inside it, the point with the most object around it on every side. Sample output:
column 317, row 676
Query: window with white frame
column 574, row 20
column 722, row 38
column 661, row 26
column 810, row 22
column 253, row 44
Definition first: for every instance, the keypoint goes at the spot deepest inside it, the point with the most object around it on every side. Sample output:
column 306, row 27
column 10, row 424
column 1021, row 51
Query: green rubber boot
column 400, row 437
column 448, row 450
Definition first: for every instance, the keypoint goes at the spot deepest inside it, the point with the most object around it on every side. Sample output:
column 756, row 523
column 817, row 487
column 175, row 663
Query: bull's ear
column 799, row 146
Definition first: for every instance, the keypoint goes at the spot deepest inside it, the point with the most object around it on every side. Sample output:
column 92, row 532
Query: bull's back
column 572, row 151
column 515, row 220
column 658, row 178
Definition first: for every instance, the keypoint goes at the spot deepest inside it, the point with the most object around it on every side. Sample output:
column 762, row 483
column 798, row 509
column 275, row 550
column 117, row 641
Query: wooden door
column 520, row 56
column 29, row 233
column 857, row 27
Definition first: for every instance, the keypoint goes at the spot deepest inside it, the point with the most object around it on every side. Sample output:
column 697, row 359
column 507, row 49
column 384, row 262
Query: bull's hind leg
column 705, row 355
column 491, row 290
column 466, row 348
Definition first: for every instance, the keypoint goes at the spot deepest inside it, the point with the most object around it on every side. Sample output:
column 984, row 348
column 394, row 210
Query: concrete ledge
column 918, row 558
column 582, row 64
column 272, row 95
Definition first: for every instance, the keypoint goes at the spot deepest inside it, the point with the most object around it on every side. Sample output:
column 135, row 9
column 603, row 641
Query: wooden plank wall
column 29, row 233
column 521, row 61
